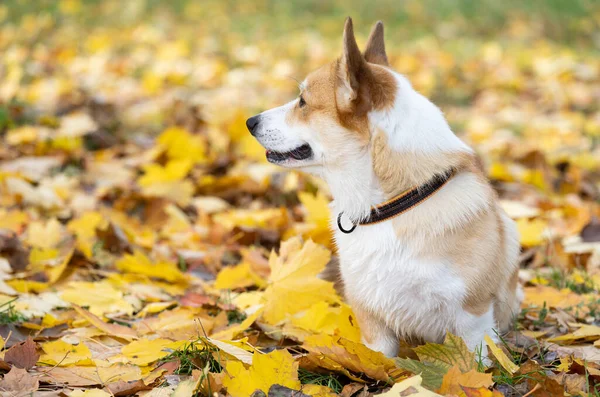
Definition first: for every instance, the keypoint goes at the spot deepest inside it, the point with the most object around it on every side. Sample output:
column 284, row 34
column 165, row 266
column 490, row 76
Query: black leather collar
column 401, row 203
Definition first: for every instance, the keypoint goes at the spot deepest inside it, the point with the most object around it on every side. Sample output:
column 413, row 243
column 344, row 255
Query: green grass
column 562, row 20
column 192, row 357
column 559, row 279
column 333, row 381
column 8, row 314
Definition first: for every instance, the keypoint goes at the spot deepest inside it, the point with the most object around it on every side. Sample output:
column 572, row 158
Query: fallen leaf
column 587, row 333
column 502, row 358
column 99, row 297
column 277, row 367
column 144, row 351
column 123, row 388
column 138, row 263
column 337, row 353
column 89, row 393
column 295, row 271
column 90, row 375
column 409, row 387
column 239, row 276
column 531, row 232
column 61, row 353
column 454, row 380
column 187, row 388
column 23, row 355
column 480, row 392
column 18, row 383
column 117, row 330
column 431, row 373
column 453, row 352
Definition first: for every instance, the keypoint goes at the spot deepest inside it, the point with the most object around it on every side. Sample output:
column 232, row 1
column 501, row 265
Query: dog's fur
column 449, row 264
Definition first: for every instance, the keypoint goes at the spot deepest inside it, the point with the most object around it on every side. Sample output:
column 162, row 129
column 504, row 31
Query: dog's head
column 328, row 123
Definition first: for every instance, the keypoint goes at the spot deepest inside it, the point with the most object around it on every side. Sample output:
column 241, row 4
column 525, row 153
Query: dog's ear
column 350, row 65
column 375, row 51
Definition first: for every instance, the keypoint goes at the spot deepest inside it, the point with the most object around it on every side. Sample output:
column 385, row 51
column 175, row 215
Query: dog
column 424, row 247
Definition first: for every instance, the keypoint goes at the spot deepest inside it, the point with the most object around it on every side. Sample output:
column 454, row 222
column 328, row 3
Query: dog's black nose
column 252, row 122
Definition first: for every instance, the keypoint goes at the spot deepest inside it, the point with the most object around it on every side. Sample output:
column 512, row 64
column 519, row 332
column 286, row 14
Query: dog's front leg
column 375, row 334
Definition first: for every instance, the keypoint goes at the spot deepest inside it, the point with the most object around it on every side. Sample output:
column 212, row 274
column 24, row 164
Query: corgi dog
column 424, row 247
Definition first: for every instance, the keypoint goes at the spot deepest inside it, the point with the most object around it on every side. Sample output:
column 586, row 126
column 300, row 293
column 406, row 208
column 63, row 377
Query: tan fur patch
column 377, row 88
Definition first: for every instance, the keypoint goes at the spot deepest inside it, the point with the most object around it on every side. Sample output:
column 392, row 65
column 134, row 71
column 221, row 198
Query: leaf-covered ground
column 147, row 248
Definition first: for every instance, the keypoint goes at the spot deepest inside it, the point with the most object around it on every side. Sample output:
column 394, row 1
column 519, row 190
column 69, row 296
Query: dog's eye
column 301, row 102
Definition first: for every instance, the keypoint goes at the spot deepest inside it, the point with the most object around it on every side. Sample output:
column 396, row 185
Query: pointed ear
column 375, row 51
column 350, row 66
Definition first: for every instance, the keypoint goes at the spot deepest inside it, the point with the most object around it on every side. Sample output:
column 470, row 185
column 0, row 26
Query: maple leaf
column 294, row 273
column 277, row 367
column 138, row 263
column 239, row 276
column 179, row 144
column 338, row 354
column 453, row 352
column 99, row 297
column 454, row 380
column 145, row 351
column 18, row 383
column 23, row 355
column 61, row 353
column 324, row 318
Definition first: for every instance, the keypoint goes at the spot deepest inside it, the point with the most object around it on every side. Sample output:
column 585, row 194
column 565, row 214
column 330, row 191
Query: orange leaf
column 454, row 380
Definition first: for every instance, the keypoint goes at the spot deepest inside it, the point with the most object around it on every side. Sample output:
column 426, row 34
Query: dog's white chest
column 416, row 297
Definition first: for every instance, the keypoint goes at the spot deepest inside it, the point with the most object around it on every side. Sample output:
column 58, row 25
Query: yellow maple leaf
column 531, row 231
column 138, row 263
column 339, row 354
column 275, row 368
column 61, row 353
column 293, row 283
column 173, row 171
column 454, row 379
column 180, row 144
column 239, row 276
column 235, row 330
column 45, row 234
column 100, row 297
column 84, row 227
column 144, row 351
column 324, row 318
column 12, row 220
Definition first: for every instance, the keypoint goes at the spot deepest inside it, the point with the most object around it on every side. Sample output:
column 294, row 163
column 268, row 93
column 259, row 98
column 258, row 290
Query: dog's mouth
column 303, row 152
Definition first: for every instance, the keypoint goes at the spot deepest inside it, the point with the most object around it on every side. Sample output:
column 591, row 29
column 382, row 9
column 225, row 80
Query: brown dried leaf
column 23, row 355
column 18, row 383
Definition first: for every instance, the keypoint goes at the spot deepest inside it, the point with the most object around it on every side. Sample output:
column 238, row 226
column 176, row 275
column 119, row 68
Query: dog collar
column 401, row 203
